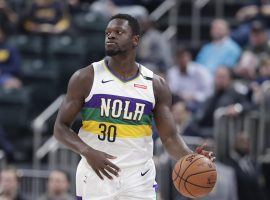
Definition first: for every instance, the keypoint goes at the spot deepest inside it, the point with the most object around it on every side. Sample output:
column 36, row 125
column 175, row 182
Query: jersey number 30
column 108, row 132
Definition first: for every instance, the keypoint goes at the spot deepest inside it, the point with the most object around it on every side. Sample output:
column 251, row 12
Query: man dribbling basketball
column 118, row 98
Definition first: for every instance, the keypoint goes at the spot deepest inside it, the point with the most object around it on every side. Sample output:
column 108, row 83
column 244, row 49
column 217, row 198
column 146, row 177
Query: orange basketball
column 194, row 175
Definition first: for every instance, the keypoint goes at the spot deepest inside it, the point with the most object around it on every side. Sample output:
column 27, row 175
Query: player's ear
column 135, row 40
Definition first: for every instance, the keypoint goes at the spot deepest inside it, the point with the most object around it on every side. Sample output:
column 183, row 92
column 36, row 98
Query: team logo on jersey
column 116, row 108
column 140, row 86
column 106, row 81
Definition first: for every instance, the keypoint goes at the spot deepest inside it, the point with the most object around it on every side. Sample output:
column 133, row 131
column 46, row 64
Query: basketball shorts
column 131, row 184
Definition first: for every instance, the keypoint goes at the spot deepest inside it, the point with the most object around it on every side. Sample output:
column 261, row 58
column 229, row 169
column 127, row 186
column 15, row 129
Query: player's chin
column 111, row 52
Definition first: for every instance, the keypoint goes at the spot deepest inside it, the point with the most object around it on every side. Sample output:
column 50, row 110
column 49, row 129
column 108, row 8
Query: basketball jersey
column 117, row 116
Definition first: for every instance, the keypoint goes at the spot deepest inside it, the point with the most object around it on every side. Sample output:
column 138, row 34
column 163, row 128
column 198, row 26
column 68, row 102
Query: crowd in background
column 227, row 72
column 57, row 185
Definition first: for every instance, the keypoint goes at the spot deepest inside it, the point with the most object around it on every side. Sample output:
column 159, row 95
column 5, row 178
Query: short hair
column 132, row 22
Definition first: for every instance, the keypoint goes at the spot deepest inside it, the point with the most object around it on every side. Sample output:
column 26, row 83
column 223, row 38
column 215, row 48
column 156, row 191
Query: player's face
column 119, row 38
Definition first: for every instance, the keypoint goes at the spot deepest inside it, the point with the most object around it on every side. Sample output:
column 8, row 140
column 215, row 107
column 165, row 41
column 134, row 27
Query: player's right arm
column 171, row 140
column 78, row 89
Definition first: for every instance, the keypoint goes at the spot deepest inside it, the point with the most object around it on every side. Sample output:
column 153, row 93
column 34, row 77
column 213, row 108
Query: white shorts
column 132, row 184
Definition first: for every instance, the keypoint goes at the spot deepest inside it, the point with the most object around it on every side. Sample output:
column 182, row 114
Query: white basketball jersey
column 117, row 115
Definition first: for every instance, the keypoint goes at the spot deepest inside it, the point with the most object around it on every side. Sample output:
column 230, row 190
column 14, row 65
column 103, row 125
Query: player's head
column 121, row 35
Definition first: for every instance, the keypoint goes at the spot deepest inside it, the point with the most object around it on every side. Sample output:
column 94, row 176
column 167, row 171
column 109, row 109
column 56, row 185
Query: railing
column 39, row 124
column 219, row 8
column 164, row 165
column 28, row 177
column 59, row 157
column 226, row 128
column 263, row 136
column 2, row 160
column 254, row 123
column 196, row 21
column 170, row 6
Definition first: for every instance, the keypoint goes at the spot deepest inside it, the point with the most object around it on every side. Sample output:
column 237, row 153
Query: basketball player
column 118, row 99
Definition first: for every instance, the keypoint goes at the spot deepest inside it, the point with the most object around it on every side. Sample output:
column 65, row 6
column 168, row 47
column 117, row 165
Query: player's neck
column 124, row 66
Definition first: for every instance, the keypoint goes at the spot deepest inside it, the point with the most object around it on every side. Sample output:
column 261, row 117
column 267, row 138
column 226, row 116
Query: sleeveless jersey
column 117, row 116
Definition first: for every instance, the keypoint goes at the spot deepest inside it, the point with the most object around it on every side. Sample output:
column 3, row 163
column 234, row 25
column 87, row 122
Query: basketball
column 194, row 175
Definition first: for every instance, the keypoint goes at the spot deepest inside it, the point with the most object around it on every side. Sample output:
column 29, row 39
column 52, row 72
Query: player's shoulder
column 160, row 87
column 81, row 81
column 158, row 81
column 162, row 91
column 145, row 72
column 83, row 74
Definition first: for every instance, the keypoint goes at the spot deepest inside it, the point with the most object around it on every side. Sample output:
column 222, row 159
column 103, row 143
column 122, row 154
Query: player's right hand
column 99, row 161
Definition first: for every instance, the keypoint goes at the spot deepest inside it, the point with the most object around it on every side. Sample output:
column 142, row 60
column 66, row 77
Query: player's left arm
column 171, row 140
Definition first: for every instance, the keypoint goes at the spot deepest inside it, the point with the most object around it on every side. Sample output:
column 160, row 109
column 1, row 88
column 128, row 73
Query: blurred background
column 214, row 55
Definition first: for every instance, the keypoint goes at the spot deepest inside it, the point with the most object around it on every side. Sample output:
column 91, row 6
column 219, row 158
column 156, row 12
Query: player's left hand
column 208, row 154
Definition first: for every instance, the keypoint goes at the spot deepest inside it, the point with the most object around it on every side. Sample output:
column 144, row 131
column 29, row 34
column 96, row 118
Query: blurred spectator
column 225, row 188
column 8, row 18
column 9, row 185
column 181, row 116
column 225, row 96
column 258, row 49
column 58, row 186
column 263, row 77
column 258, row 9
column 10, row 62
column 254, row 10
column 222, row 50
column 154, row 50
column 78, row 6
column 111, row 7
column 247, row 175
column 6, row 145
column 264, row 71
column 189, row 80
column 47, row 16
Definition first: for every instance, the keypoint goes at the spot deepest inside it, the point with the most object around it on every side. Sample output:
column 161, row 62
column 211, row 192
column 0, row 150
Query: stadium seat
column 90, row 22
column 42, row 79
column 14, row 107
column 29, row 46
column 39, row 70
column 95, row 47
column 69, row 53
column 66, row 46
